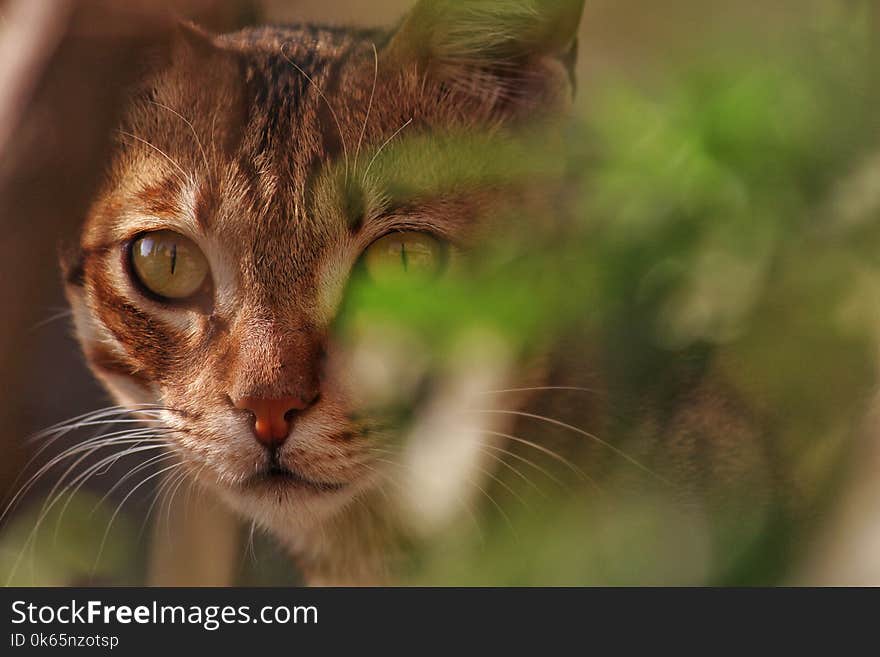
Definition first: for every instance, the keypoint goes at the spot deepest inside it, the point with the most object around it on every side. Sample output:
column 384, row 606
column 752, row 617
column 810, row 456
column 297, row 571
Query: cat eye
column 168, row 264
column 405, row 253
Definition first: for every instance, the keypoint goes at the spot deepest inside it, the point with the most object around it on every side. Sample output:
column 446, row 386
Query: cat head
column 256, row 175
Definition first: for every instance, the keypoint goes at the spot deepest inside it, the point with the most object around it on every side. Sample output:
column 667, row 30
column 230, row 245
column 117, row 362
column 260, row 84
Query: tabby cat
column 255, row 176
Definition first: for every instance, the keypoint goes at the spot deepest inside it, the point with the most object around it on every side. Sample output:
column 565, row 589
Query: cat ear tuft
column 518, row 36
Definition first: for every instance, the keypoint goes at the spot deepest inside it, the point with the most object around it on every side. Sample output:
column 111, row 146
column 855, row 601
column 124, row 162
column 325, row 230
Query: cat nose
column 272, row 417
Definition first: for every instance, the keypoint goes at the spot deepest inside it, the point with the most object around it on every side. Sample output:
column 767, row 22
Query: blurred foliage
column 75, row 541
column 716, row 224
column 725, row 230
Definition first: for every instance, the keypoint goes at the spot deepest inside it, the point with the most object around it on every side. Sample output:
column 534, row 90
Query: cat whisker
column 500, row 510
column 541, row 389
column 485, row 472
column 250, row 548
column 89, row 447
column 581, row 432
column 380, row 476
column 76, row 422
column 158, row 497
column 119, row 509
column 106, row 421
column 192, row 129
column 500, row 460
column 401, row 467
column 194, row 481
column 503, row 484
column 357, row 154
column 97, row 442
column 86, row 476
column 178, row 479
column 96, row 469
column 101, row 438
column 153, row 503
column 128, row 475
column 95, row 423
column 380, row 450
column 52, row 318
column 382, row 148
column 528, row 462
column 326, row 101
column 179, row 412
column 52, row 499
column 105, row 463
column 184, row 178
column 549, row 452
column 61, row 430
column 156, row 439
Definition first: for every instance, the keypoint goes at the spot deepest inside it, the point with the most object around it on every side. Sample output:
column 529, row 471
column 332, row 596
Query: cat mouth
column 279, row 475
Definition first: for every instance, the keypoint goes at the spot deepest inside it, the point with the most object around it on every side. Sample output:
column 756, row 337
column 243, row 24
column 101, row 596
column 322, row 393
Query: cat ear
column 190, row 40
column 526, row 46
column 191, row 64
column 186, row 43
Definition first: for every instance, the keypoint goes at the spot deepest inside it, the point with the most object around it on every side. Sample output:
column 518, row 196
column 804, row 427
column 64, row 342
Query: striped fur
column 257, row 145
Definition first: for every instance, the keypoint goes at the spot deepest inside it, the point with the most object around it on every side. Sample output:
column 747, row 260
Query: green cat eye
column 168, row 264
column 405, row 253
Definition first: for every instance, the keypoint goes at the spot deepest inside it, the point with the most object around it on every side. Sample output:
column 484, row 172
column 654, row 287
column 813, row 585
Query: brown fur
column 257, row 146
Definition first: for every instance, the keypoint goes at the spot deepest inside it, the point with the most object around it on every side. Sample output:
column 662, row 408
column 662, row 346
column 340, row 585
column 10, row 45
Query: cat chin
column 285, row 507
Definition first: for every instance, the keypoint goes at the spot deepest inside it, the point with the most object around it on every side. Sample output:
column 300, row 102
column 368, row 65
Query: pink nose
column 272, row 417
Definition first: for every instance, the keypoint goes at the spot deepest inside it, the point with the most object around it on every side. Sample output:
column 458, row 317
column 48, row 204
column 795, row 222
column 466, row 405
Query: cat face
column 254, row 177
